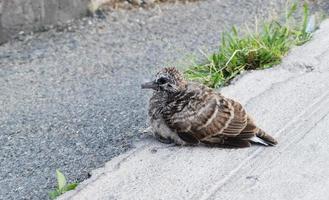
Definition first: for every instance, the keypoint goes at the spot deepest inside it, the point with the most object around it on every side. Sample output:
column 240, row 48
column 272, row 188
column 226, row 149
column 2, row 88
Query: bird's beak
column 149, row 85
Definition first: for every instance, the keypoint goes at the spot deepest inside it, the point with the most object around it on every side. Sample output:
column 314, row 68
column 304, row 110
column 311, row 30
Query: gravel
column 71, row 99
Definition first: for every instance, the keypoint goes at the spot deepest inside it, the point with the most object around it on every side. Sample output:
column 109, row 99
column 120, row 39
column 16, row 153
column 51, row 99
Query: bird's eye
column 162, row 80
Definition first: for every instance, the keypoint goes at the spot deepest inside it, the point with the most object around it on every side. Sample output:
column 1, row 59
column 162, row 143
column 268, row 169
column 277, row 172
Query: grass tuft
column 258, row 50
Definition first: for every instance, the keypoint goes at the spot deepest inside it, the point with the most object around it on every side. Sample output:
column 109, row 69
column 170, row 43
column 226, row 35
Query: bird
column 190, row 113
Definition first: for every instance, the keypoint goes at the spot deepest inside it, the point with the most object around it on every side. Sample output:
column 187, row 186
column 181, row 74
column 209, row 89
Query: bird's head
column 168, row 80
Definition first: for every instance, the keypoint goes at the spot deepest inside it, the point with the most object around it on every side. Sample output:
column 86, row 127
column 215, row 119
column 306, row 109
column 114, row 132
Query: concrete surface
column 33, row 15
column 290, row 101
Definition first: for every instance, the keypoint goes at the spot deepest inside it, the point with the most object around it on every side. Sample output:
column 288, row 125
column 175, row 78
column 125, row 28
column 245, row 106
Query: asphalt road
column 71, row 99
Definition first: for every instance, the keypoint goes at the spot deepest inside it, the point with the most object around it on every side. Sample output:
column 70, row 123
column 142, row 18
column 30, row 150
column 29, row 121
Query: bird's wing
column 238, row 121
column 209, row 115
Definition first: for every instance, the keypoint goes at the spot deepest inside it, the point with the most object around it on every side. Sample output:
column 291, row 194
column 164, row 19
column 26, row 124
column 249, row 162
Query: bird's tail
column 264, row 138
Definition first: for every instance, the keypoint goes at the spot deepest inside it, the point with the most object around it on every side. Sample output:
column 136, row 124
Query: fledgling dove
column 190, row 113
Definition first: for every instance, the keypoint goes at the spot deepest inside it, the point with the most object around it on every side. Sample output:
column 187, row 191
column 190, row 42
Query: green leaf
column 306, row 16
column 235, row 31
column 53, row 194
column 61, row 180
column 292, row 10
column 70, row 186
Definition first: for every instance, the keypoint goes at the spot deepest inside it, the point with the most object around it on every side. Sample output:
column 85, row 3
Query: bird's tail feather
column 264, row 138
column 257, row 140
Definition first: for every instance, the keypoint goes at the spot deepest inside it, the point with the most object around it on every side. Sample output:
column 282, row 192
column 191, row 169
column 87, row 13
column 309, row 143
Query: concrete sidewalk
column 290, row 101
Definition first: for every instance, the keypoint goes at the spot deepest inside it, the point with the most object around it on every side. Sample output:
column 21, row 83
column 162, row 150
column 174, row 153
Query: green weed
column 256, row 50
column 62, row 186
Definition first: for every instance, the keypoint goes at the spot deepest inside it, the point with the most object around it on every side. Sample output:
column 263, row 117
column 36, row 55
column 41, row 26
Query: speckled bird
column 189, row 113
